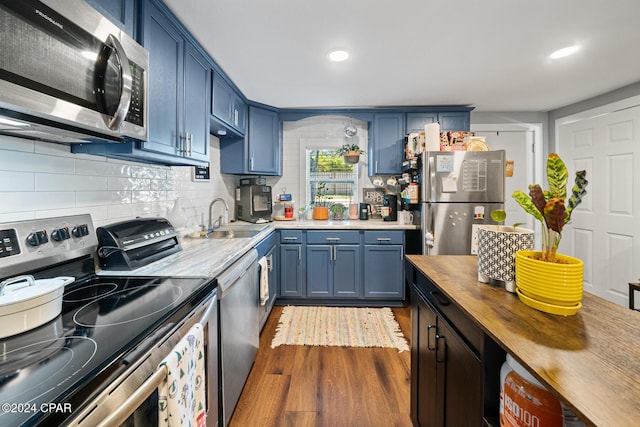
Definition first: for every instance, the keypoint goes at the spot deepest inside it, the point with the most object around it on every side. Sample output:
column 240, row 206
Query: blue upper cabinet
column 454, row 120
column 120, row 12
column 449, row 121
column 260, row 151
column 228, row 109
column 386, row 144
column 179, row 79
column 416, row 121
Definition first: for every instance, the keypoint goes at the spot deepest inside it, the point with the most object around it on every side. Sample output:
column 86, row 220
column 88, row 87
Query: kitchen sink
column 230, row 234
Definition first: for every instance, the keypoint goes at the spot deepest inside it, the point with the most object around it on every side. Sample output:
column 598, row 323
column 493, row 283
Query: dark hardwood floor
column 326, row 386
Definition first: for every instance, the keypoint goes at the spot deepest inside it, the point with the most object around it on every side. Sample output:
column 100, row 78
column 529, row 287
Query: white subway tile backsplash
column 103, row 198
column 35, row 201
column 17, row 181
column 65, row 182
column 115, row 183
column 24, row 161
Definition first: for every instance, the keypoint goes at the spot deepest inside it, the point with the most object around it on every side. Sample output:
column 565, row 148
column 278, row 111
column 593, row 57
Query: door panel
column 605, row 229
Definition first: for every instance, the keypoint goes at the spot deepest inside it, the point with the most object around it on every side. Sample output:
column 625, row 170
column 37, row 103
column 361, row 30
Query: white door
column 519, row 148
column 605, row 228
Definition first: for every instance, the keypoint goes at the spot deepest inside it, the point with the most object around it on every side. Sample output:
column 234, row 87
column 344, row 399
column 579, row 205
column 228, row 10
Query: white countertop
column 201, row 257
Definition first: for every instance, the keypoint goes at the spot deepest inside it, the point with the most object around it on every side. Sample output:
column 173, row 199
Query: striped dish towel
column 181, row 396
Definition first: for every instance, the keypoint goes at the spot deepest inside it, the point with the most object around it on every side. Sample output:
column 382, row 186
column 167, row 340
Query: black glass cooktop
column 47, row 371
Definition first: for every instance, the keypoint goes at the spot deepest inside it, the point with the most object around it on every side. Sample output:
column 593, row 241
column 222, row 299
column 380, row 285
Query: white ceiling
column 489, row 54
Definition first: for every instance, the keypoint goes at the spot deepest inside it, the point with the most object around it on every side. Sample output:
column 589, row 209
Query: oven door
column 132, row 398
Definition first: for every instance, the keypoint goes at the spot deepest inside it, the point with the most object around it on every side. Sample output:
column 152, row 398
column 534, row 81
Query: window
column 339, row 179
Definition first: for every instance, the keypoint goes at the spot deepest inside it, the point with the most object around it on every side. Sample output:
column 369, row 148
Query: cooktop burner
column 102, row 319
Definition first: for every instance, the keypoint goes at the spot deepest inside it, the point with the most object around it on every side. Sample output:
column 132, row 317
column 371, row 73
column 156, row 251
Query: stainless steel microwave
column 253, row 203
column 67, row 74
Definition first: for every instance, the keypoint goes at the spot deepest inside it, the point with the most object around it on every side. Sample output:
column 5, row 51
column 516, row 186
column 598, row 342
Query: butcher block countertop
column 591, row 360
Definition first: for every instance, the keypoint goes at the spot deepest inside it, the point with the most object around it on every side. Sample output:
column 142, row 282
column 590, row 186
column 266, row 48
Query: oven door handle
column 126, row 84
column 205, row 317
column 134, row 401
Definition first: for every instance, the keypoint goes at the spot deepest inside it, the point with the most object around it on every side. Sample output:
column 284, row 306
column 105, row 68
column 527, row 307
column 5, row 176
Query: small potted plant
column 337, row 211
column 350, row 152
column 321, row 202
column 547, row 280
column 497, row 245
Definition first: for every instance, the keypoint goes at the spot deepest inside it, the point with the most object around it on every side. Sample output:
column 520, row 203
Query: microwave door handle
column 125, row 75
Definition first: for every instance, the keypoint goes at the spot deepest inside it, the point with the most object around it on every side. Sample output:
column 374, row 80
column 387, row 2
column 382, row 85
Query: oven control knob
column 60, row 234
column 37, row 238
column 80, row 230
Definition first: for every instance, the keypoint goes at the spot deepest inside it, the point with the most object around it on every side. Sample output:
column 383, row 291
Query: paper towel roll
column 432, row 136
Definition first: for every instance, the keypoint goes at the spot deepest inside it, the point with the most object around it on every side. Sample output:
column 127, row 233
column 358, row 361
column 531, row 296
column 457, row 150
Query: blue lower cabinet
column 333, row 271
column 384, row 265
column 291, row 270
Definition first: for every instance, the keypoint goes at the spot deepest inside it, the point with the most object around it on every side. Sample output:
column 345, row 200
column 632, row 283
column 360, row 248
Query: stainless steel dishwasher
column 239, row 331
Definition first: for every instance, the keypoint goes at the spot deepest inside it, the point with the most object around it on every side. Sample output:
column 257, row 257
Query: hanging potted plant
column 350, row 153
column 547, row 280
column 497, row 245
column 321, row 202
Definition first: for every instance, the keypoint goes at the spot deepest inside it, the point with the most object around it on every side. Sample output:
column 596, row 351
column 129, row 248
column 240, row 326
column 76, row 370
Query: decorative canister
column 497, row 245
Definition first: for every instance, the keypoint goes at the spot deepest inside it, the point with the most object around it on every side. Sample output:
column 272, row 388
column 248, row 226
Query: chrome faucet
column 219, row 220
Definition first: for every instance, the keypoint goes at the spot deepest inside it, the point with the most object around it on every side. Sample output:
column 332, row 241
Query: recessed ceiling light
column 339, row 55
column 565, row 51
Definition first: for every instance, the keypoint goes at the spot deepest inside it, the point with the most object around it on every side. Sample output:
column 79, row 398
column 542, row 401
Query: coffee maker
column 390, row 201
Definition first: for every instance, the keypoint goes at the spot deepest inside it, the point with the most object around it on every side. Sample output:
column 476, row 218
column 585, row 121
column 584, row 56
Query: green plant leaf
column 578, row 191
column 527, row 204
column 557, row 176
column 498, row 215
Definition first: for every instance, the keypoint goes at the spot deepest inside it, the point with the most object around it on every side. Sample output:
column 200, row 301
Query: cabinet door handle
column 383, row 239
column 335, row 253
column 429, row 327
column 182, row 144
column 251, row 163
column 332, row 239
column 299, row 252
column 190, row 143
column 290, row 238
column 443, row 349
column 270, row 263
column 442, row 300
column 376, row 166
column 401, row 253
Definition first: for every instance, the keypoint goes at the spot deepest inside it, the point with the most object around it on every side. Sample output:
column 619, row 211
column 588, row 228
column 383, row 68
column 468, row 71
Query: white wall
column 40, row 180
column 321, row 127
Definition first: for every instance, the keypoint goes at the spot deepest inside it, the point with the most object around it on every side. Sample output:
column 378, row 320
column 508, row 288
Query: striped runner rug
column 339, row 326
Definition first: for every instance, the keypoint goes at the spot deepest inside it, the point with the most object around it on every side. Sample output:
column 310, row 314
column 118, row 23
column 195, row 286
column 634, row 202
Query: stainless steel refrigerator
column 459, row 191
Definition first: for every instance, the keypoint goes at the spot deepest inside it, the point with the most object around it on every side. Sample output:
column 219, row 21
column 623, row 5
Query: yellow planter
column 321, row 212
column 547, row 286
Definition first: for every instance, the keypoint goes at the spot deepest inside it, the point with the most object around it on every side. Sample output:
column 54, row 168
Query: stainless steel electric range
column 107, row 329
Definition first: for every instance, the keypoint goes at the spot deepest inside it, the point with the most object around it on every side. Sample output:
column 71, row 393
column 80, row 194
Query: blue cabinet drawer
column 290, row 236
column 333, row 237
column 385, row 237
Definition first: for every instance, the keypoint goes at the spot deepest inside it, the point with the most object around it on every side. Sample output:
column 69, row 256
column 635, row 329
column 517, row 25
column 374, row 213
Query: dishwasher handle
column 233, row 273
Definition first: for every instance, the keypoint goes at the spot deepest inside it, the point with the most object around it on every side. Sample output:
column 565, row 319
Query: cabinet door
column 416, row 121
column 196, row 104
column 239, row 113
column 423, row 363
column 120, row 12
column 383, row 271
column 386, row 148
column 222, row 98
column 291, row 271
column 264, row 142
column 455, row 120
column 166, row 54
column 319, row 271
column 346, row 271
column 464, row 380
